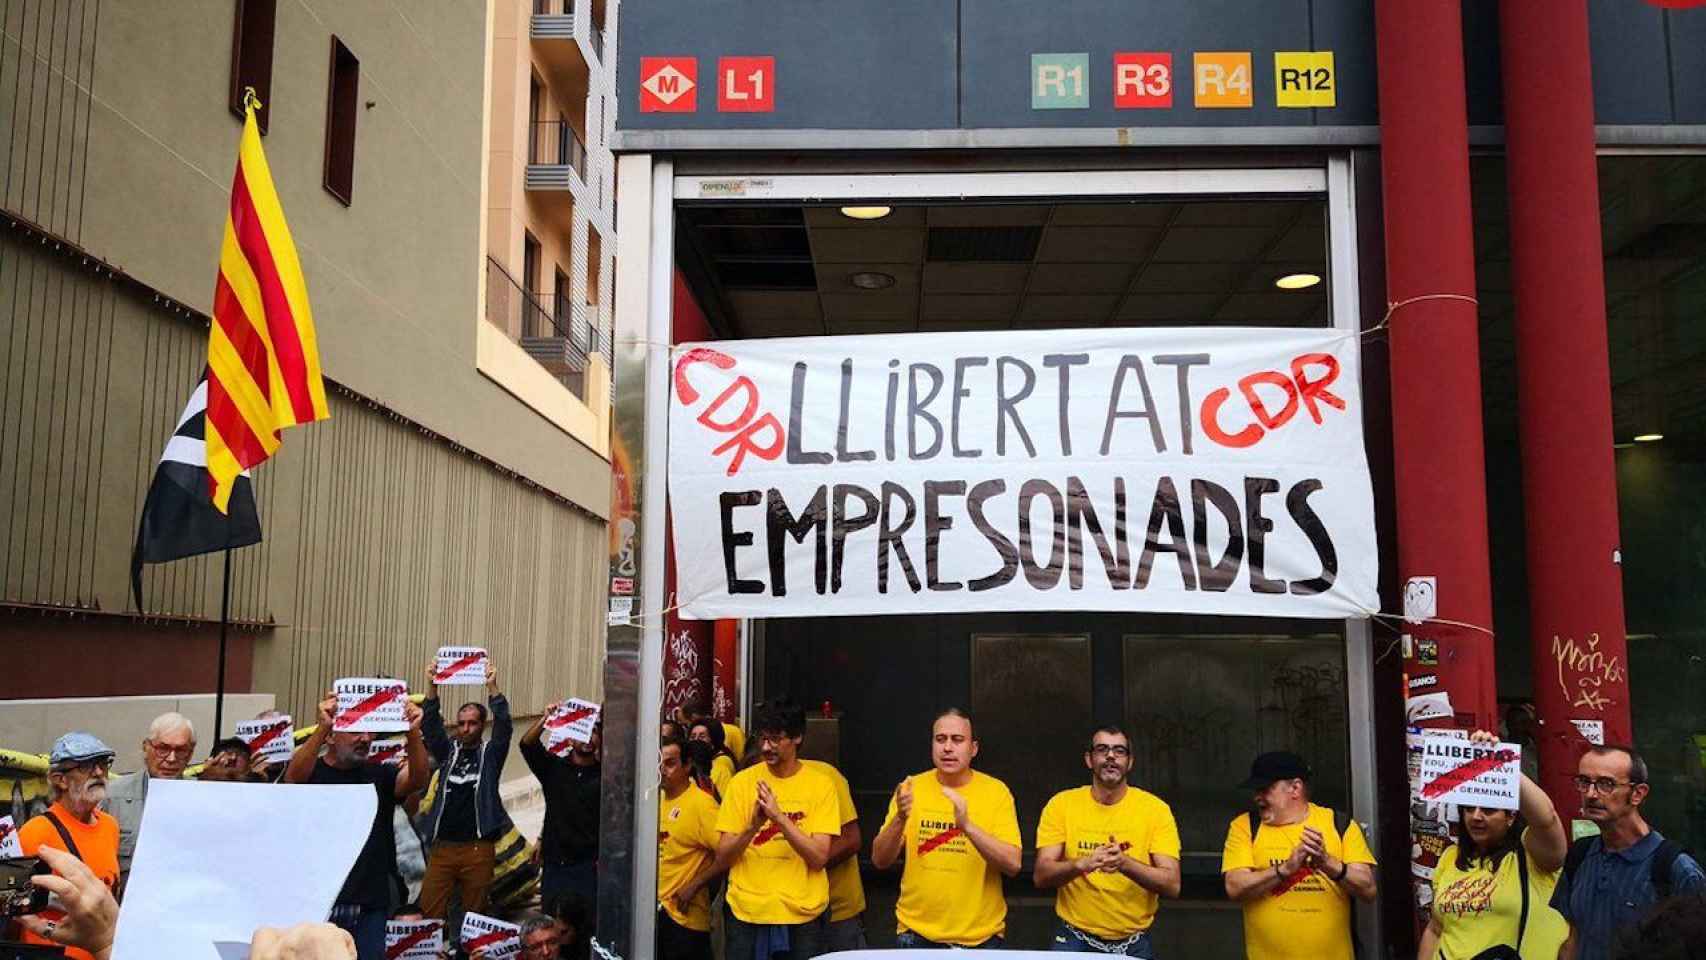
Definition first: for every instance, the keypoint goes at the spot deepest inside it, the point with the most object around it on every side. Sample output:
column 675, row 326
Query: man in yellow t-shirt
column 1293, row 869
column 846, row 929
column 687, row 851
column 777, row 822
column 959, row 833
column 1113, row 852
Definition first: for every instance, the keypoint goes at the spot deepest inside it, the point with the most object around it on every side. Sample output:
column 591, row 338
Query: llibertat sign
column 1188, row 470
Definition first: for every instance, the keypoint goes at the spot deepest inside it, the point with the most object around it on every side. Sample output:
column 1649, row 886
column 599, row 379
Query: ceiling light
column 1297, row 281
column 866, row 213
column 1648, row 437
column 871, row 280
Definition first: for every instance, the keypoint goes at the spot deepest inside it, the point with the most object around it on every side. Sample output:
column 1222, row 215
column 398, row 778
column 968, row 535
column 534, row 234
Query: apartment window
column 251, row 56
column 560, row 301
column 341, row 100
column 532, row 320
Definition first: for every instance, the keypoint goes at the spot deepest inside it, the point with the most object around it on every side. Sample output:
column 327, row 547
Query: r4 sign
column 669, row 84
column 746, row 85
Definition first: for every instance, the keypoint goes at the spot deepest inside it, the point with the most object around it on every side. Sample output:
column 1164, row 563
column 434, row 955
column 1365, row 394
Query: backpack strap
column 1573, row 860
column 1255, row 824
column 64, row 834
column 1522, row 882
column 1663, row 863
column 1341, row 823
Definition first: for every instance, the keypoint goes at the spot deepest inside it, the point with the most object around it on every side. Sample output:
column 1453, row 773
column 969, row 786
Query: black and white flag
column 179, row 519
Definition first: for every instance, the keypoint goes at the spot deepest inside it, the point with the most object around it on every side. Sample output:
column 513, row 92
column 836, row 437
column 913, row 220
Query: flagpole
column 224, row 624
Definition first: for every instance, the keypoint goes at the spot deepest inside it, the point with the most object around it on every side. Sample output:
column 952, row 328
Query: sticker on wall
column 1407, row 645
column 1427, row 652
column 1143, row 81
column 1421, row 599
column 1593, row 731
column 1222, row 80
column 1060, row 81
column 1428, row 706
column 621, row 612
column 1305, row 79
column 746, row 85
column 1423, row 682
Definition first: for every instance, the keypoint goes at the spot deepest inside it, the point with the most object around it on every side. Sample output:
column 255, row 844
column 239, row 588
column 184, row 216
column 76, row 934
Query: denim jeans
column 1068, row 939
column 907, row 940
column 805, row 940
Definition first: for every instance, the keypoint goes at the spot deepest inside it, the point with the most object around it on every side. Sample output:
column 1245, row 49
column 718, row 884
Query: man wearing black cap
column 1294, row 866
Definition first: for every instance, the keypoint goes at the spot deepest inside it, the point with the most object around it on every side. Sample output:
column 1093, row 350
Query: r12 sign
column 746, row 85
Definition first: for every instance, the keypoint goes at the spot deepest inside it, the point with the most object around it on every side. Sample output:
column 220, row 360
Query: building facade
column 458, row 493
column 1495, row 200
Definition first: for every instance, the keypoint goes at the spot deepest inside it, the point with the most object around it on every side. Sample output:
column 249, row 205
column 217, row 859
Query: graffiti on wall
column 1585, row 672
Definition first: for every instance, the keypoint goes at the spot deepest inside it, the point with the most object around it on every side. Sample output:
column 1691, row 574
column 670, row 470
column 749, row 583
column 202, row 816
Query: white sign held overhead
column 272, row 740
column 460, row 665
column 414, row 939
column 1185, row 470
column 1459, row 771
column 569, row 724
column 368, row 705
column 497, row 938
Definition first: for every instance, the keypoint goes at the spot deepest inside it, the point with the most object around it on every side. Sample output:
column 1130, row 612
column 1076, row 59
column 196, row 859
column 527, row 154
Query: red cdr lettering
column 746, row 425
column 1298, row 388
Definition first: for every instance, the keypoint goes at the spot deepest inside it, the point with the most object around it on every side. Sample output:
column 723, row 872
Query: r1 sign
column 746, row 85
column 1143, row 81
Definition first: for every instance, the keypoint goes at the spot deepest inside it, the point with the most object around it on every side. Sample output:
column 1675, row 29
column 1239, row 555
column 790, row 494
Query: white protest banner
column 460, row 665
column 10, row 846
column 367, row 705
column 569, row 724
column 414, row 939
column 1476, row 774
column 388, row 752
column 499, row 939
column 273, row 740
column 188, row 898
column 1185, row 470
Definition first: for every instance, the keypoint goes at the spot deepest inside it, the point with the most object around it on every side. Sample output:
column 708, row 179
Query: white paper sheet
column 215, row 861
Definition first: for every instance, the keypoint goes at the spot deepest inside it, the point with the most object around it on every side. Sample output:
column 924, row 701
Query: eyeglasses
column 1107, row 749
column 103, row 764
column 1600, row 784
column 166, row 750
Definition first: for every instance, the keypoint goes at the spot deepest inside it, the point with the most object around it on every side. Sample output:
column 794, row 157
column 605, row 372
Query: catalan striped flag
column 262, row 358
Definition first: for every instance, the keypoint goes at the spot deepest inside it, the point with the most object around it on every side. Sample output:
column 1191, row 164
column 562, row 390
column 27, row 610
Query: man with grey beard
column 364, row 903
column 78, row 767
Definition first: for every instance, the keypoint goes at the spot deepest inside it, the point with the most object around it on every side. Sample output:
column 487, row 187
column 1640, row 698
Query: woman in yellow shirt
column 1478, row 907
column 710, row 730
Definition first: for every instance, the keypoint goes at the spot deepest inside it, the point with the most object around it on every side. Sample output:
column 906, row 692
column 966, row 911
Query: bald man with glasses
column 1111, row 852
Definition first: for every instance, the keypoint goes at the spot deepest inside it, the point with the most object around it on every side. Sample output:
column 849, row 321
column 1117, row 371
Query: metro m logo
column 669, row 84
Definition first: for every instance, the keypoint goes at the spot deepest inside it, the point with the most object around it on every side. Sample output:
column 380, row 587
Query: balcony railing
column 544, row 328
column 554, row 143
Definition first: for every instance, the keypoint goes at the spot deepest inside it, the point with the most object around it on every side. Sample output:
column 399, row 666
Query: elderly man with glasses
column 78, row 767
column 166, row 751
column 1111, row 851
column 1612, row 880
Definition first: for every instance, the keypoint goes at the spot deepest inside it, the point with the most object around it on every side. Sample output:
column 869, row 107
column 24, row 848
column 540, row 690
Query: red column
column 1436, row 374
column 1569, row 480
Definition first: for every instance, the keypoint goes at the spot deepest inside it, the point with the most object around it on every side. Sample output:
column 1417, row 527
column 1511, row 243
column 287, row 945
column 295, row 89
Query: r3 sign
column 1143, row 81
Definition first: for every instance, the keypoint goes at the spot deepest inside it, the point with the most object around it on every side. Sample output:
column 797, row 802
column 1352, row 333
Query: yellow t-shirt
column 948, row 892
column 846, row 892
column 769, row 883
column 734, row 738
column 1478, row 908
column 722, row 770
column 1108, row 905
column 687, row 840
column 1310, row 916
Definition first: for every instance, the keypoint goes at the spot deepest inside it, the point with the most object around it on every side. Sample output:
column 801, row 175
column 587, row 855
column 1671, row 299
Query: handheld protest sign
column 414, row 939
column 10, row 846
column 272, row 740
column 499, row 939
column 460, row 665
column 370, row 705
column 1456, row 771
column 387, row 752
column 569, row 724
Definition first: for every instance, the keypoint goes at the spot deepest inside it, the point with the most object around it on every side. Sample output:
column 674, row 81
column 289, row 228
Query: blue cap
column 78, row 747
